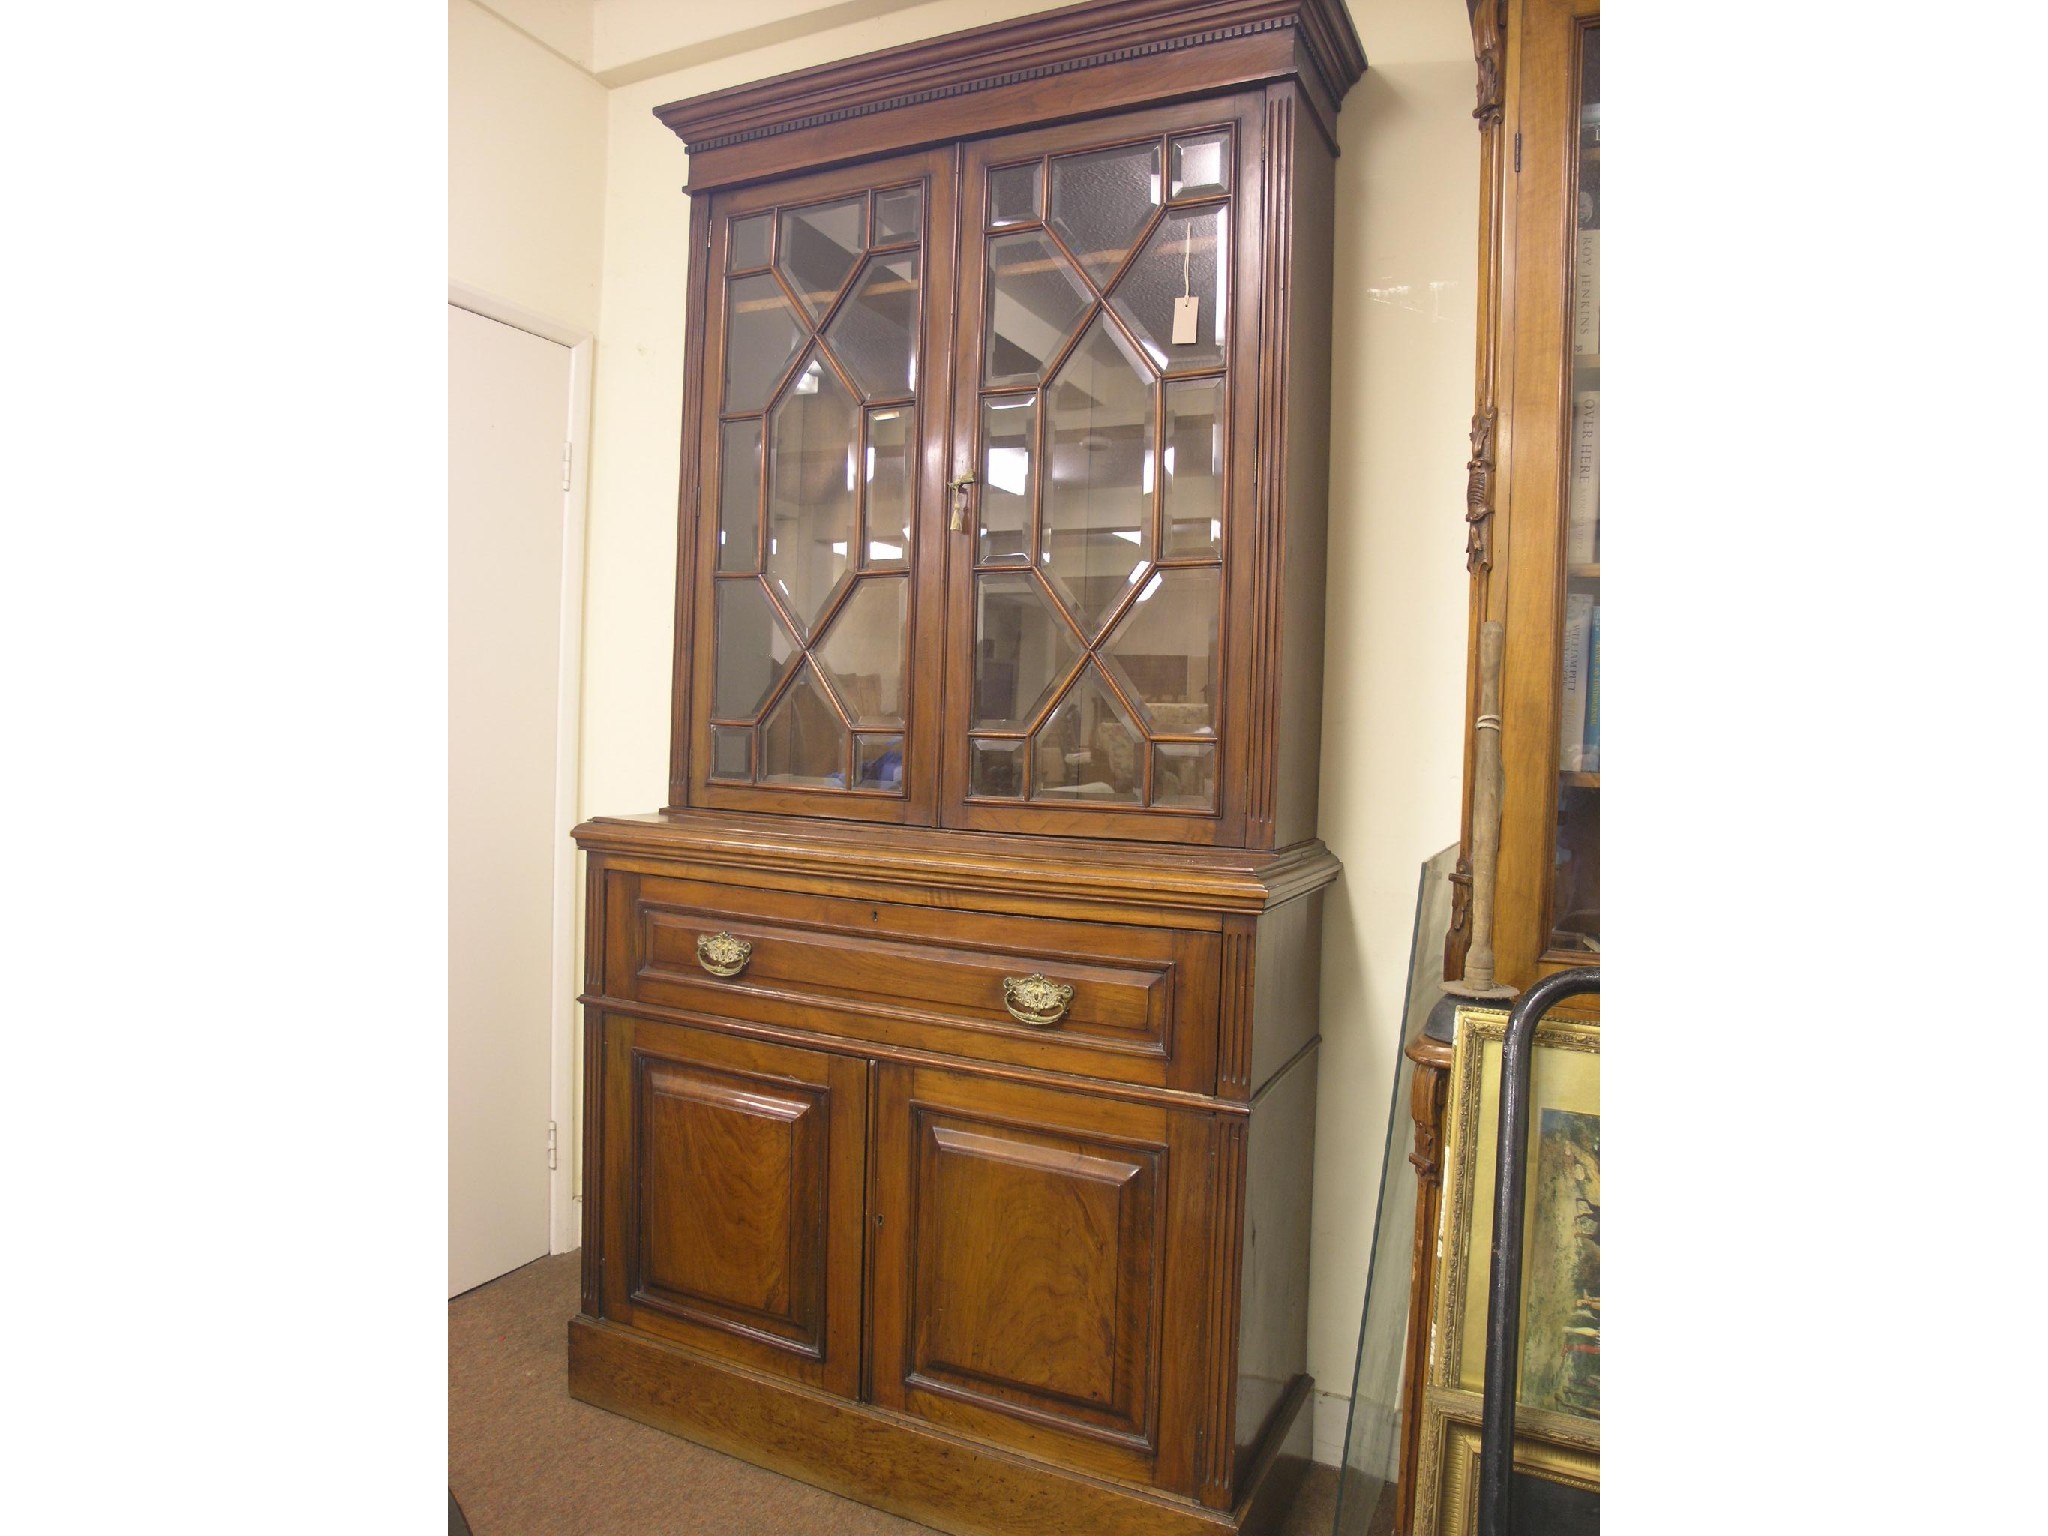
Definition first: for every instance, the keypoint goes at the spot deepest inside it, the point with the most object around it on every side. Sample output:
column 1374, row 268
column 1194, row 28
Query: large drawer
column 1143, row 1007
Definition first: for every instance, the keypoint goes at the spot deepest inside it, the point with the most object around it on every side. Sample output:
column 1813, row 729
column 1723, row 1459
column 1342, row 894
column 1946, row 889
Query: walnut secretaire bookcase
column 951, row 1035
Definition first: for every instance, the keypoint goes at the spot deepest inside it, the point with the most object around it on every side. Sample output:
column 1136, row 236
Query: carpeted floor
column 525, row 1459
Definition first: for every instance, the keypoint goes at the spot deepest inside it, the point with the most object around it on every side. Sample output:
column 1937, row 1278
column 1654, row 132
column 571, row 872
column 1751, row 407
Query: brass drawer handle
column 1034, row 1000
column 723, row 955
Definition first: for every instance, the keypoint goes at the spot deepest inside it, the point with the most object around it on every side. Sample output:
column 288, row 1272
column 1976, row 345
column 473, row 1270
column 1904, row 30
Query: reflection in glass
column 803, row 741
column 1009, row 435
column 732, row 752
column 863, row 650
column 898, row 213
column 810, row 489
column 1035, row 299
column 875, row 332
column 749, row 245
column 1193, row 469
column 1164, row 650
column 1013, row 195
column 1022, row 650
column 1098, row 502
column 1200, row 163
column 1087, row 748
column 754, row 650
column 878, row 762
column 1101, row 202
column 739, row 498
column 997, row 771
column 820, row 247
column 891, row 445
column 762, row 334
column 1184, row 775
column 1183, row 257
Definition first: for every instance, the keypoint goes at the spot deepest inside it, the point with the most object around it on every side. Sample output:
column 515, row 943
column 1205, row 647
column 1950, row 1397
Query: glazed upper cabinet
column 982, row 547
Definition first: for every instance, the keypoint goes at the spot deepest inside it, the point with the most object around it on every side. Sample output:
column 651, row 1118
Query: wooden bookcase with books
column 1534, row 556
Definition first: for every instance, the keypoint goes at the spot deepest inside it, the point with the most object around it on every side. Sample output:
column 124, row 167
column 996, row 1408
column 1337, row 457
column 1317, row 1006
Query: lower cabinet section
column 1035, row 1262
column 733, row 1174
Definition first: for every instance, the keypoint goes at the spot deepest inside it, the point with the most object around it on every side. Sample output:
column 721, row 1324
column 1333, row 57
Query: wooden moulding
column 916, row 860
column 895, row 1463
column 1015, row 73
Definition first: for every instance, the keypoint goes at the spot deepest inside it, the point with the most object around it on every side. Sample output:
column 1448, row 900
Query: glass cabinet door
column 826, row 302
column 1101, row 357
column 1575, row 893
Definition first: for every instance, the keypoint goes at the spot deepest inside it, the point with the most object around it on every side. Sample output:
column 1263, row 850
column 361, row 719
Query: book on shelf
column 1582, row 505
column 1586, row 294
column 1571, row 722
column 1589, row 757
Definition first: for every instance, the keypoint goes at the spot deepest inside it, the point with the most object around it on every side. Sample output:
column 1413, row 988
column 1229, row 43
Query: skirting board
column 892, row 1462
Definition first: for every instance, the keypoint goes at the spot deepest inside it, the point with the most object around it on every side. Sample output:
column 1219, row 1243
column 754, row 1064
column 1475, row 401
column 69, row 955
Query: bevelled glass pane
column 997, row 770
column 739, row 495
column 748, row 247
column 1184, row 775
column 1009, row 449
column 754, row 650
column 1087, row 749
column 1035, row 299
column 1023, row 650
column 899, row 213
column 1101, row 202
column 1098, row 501
column 762, row 334
column 875, row 332
column 1013, row 195
column 820, row 247
column 863, row 650
column 1184, row 258
column 878, row 762
column 1193, row 469
column 803, row 742
column 732, row 752
column 890, row 469
column 810, row 489
column 1164, row 649
column 1199, row 163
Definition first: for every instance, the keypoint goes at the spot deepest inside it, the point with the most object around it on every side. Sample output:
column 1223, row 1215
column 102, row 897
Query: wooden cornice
column 1037, row 47
column 1130, row 874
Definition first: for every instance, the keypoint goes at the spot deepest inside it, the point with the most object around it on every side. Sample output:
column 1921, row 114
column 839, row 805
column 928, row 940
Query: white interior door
column 508, row 417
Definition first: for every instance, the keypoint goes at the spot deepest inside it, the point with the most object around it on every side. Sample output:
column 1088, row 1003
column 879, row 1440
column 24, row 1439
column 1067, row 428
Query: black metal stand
column 1504, row 1289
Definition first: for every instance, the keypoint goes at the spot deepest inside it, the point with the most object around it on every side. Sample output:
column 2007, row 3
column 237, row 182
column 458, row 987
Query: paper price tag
column 1187, row 319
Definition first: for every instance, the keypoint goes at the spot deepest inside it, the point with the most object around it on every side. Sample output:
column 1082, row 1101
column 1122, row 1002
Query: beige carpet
column 525, row 1459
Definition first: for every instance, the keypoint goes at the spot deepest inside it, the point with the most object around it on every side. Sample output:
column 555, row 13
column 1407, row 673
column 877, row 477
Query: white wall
column 526, row 158
column 1405, row 259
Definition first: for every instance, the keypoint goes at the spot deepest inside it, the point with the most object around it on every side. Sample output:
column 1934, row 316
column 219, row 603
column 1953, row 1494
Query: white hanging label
column 1186, row 321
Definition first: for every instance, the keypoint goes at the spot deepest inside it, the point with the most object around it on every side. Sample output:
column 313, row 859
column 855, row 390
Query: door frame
column 565, row 1206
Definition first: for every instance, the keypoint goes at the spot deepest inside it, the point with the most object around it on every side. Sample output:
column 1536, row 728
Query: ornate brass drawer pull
column 723, row 955
column 1034, row 1000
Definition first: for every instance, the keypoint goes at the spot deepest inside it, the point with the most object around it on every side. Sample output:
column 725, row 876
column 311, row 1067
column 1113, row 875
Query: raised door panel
column 1037, row 1277
column 733, row 1186
column 813, row 676
column 1104, row 413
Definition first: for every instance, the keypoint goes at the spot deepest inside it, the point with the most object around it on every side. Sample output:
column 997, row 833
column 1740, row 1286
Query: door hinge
column 551, row 1144
column 568, row 452
column 1518, row 154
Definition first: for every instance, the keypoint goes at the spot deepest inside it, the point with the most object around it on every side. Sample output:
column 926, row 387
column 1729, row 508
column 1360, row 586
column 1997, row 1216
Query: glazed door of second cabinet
column 812, row 673
column 1104, row 404
column 733, row 1173
column 1040, row 1268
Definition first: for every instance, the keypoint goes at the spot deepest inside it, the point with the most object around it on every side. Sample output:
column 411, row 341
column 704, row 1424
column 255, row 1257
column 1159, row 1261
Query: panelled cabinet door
column 1039, row 1274
column 814, row 680
column 1103, row 411
column 733, row 1175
